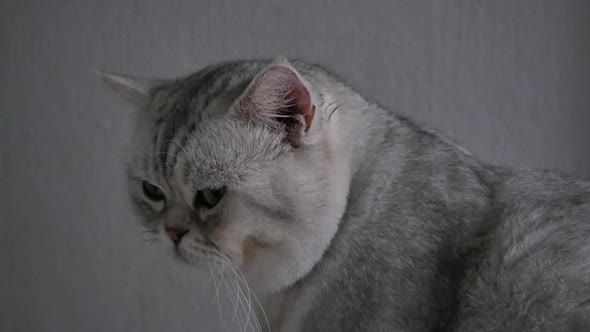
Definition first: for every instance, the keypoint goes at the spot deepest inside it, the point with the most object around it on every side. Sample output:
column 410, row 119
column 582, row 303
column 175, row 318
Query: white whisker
column 216, row 293
column 244, row 304
column 240, row 278
column 184, row 152
column 160, row 153
column 235, row 302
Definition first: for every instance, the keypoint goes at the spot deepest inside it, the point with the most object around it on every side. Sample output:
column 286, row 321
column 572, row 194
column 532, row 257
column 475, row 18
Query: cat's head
column 237, row 161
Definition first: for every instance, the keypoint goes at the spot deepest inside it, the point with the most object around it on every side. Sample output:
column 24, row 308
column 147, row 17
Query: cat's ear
column 132, row 89
column 279, row 96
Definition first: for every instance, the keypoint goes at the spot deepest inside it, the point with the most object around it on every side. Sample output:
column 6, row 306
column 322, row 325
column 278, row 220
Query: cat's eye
column 208, row 198
column 152, row 192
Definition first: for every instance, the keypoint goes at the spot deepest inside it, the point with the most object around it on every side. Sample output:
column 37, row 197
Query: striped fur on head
column 248, row 127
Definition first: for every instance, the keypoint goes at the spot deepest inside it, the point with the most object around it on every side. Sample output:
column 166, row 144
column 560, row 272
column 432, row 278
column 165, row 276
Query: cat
column 342, row 216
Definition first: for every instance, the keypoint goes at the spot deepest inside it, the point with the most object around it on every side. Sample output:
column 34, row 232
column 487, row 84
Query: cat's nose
column 175, row 234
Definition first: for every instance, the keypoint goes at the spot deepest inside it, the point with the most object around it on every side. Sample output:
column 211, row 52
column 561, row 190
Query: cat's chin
column 185, row 256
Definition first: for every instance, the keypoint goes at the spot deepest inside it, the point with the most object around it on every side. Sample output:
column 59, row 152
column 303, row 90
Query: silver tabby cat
column 342, row 216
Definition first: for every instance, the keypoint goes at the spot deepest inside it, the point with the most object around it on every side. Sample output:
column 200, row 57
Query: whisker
column 237, row 303
column 249, row 303
column 240, row 277
column 328, row 106
column 217, row 294
column 236, row 306
column 151, row 239
column 152, row 242
column 180, row 146
column 334, row 110
column 159, row 153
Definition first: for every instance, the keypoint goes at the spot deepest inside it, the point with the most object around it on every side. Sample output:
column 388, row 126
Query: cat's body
column 478, row 250
column 352, row 218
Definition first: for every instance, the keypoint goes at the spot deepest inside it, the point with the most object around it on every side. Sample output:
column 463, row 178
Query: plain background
column 509, row 80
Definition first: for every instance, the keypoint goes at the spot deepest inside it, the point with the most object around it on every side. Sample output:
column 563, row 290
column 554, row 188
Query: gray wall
column 507, row 79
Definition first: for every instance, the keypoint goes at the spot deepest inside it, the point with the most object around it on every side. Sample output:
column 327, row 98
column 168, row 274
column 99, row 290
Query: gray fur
column 430, row 238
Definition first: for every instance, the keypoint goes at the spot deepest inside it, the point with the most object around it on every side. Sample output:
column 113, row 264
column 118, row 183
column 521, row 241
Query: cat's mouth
column 198, row 253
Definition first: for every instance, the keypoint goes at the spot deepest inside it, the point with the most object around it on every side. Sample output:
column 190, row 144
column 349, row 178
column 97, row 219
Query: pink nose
column 175, row 234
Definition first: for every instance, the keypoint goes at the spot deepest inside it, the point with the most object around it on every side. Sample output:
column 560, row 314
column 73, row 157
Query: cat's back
column 543, row 208
column 534, row 272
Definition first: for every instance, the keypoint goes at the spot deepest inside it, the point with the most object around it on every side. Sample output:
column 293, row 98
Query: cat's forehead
column 222, row 152
column 197, row 95
column 214, row 153
column 187, row 135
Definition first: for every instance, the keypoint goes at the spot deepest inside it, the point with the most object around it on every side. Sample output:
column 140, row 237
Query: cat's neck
column 362, row 130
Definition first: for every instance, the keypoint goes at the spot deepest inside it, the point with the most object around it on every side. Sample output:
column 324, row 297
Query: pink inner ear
column 301, row 103
column 278, row 97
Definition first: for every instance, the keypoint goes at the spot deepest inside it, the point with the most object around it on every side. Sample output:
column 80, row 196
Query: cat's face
column 234, row 169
